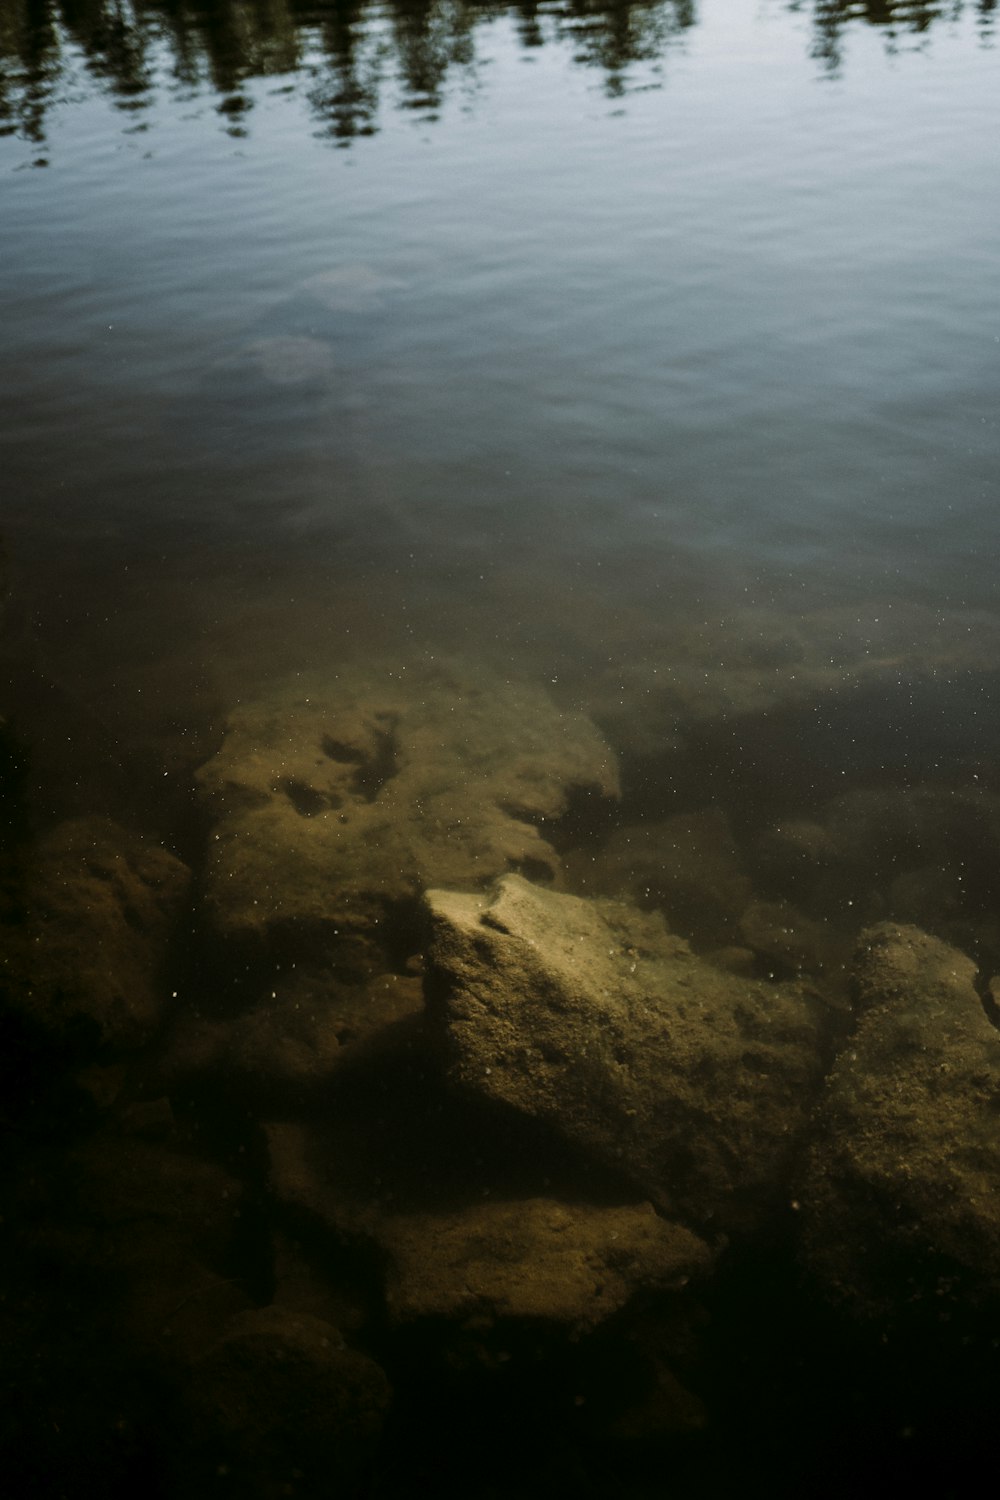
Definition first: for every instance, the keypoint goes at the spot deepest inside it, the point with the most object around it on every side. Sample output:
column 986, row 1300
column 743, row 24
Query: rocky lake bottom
column 475, row 1090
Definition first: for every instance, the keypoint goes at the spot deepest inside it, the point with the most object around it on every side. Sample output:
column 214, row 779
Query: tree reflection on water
column 896, row 20
column 347, row 54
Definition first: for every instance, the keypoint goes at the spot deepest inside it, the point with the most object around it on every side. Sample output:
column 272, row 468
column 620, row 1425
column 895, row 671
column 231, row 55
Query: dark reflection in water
column 899, row 21
column 346, row 55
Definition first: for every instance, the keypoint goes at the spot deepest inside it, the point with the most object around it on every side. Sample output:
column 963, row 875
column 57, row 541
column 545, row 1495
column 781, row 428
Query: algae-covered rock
column 592, row 1017
column 337, row 804
column 82, row 957
column 900, row 1204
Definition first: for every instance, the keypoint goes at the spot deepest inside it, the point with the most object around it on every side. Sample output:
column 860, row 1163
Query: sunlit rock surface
column 592, row 1017
column 900, row 1203
column 335, row 806
column 82, row 955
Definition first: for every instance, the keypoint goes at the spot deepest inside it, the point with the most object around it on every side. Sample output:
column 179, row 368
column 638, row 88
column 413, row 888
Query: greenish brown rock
column 590, row 1016
column 535, row 1260
column 899, row 1201
column 336, row 805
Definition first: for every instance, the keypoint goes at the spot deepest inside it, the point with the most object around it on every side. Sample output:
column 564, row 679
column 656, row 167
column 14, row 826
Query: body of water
column 619, row 376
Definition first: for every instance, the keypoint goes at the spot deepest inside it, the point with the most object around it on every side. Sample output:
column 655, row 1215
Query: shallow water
column 617, row 324
column 645, row 356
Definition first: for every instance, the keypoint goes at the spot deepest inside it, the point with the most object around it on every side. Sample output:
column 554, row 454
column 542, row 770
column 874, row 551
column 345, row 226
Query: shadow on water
column 348, row 57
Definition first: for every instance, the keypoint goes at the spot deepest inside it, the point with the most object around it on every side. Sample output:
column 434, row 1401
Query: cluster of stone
column 483, row 1121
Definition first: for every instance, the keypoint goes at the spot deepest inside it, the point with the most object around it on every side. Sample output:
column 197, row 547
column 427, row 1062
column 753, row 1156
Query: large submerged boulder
column 337, row 805
column 899, row 1202
column 593, row 1017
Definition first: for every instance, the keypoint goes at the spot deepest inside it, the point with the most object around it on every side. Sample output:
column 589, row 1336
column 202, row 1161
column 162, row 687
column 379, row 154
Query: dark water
column 645, row 356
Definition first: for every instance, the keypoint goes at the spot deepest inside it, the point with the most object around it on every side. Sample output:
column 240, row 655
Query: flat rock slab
column 336, row 803
column 900, row 1201
column 537, row 1260
column 592, row 1017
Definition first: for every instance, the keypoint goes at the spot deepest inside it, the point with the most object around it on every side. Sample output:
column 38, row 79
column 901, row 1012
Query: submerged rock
column 535, row 1260
column 335, row 808
column 925, row 855
column 282, row 1406
column 297, row 1039
column 305, row 1281
column 290, row 359
column 899, row 1203
column 592, row 1017
column 139, row 1238
column 483, row 1278
column 353, row 287
column 83, row 958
